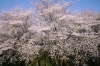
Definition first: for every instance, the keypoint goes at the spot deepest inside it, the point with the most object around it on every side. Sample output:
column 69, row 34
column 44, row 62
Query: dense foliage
column 51, row 35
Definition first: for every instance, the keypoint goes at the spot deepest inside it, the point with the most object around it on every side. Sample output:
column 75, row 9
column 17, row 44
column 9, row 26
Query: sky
column 7, row 5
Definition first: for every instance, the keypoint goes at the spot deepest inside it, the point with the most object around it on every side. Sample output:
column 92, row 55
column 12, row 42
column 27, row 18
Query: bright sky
column 6, row 5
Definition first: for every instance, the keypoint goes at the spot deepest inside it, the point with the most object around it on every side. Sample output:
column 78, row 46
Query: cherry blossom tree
column 68, row 31
column 52, row 29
